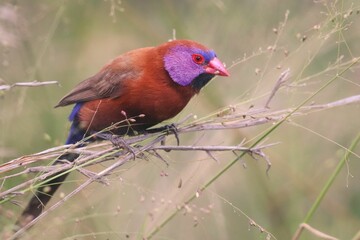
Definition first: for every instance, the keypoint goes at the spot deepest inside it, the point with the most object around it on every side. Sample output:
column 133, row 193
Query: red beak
column 216, row 67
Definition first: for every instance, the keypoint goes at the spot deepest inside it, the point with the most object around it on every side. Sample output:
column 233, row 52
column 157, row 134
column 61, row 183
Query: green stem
column 330, row 181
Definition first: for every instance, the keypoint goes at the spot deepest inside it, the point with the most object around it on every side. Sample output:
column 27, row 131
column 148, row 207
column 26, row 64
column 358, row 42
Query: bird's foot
column 168, row 129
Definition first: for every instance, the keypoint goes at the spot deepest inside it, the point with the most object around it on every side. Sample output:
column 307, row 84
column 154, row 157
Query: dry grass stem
column 27, row 84
column 312, row 230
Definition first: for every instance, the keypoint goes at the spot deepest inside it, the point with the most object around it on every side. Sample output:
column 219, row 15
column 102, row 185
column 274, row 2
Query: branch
column 280, row 82
column 312, row 230
column 210, row 148
column 27, row 84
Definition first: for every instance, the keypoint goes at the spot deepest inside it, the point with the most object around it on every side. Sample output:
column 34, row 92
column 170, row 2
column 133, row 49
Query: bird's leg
column 171, row 128
column 117, row 141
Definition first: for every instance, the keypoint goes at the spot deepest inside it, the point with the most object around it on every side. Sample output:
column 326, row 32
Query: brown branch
column 211, row 148
column 27, row 84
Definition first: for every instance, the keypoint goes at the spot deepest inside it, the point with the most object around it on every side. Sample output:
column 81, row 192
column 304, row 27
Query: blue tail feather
column 76, row 134
column 75, row 111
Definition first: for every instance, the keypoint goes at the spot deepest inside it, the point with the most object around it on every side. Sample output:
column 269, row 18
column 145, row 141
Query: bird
column 155, row 83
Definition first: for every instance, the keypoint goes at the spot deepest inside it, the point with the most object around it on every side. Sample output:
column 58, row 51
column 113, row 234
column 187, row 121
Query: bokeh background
column 68, row 41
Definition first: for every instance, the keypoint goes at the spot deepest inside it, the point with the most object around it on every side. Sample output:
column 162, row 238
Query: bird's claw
column 168, row 129
column 173, row 129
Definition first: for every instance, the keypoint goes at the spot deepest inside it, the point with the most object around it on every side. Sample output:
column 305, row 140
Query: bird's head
column 190, row 63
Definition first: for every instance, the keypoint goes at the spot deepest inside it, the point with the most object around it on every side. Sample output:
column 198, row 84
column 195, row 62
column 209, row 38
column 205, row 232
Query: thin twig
column 279, row 83
column 27, row 84
column 313, row 230
column 210, row 148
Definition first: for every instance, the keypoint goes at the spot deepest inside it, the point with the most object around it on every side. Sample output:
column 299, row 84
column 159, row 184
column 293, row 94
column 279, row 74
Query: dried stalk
column 27, row 84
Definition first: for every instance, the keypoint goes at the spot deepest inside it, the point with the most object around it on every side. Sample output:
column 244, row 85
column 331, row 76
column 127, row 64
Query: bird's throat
column 201, row 80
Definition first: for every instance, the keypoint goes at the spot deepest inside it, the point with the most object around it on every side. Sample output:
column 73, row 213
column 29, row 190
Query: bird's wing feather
column 108, row 83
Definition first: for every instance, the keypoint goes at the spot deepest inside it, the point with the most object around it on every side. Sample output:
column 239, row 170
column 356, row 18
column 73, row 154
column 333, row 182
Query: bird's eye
column 198, row 59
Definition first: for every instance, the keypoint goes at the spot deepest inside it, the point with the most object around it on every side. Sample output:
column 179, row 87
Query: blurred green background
column 68, row 41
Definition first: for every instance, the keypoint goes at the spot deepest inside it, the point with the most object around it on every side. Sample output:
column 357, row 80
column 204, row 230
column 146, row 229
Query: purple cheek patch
column 180, row 66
